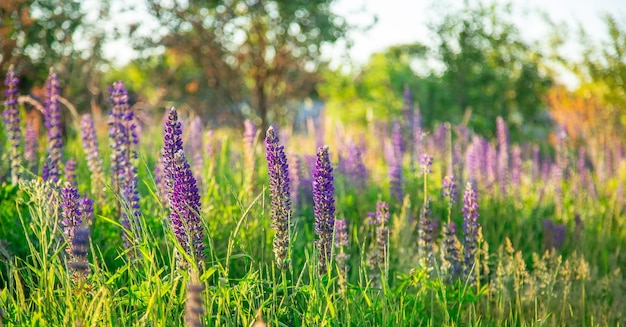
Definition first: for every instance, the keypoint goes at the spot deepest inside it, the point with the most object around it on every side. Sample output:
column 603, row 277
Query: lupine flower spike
column 377, row 256
column 71, row 213
column 11, row 119
column 425, row 233
column 278, row 171
column 183, row 196
column 470, row 230
column 123, row 135
column 342, row 242
column 395, row 167
column 324, row 207
column 30, row 146
column 79, row 250
column 194, row 305
column 52, row 118
column 92, row 153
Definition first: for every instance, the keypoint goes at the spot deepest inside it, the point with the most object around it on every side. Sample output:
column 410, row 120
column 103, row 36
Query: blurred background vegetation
column 231, row 60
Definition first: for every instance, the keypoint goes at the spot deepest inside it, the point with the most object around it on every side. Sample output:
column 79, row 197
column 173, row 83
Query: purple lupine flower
column 11, row 119
column 425, row 239
column 378, row 249
column 351, row 165
column 457, row 161
column 123, row 136
column 342, row 242
column 72, row 216
column 491, row 163
column 85, row 205
column 195, row 148
column 418, row 136
column 249, row 134
column 194, row 304
column 395, row 165
column 449, row 189
column 470, row 229
column 52, row 118
column 407, row 108
column 560, row 231
column 92, row 153
column 516, row 168
column 280, row 195
column 474, row 158
column 452, row 252
column 546, row 167
column 434, row 228
column 553, row 234
column 440, row 137
column 426, row 164
column 30, row 146
column 184, row 200
column 323, row 207
column 556, row 179
column 78, row 251
column 382, row 231
column 503, row 154
column 70, row 172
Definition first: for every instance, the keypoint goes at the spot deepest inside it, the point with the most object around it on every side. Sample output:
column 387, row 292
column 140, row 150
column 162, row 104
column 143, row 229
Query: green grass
column 519, row 282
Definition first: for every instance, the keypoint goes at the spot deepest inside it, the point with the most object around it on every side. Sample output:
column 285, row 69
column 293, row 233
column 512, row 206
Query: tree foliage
column 483, row 67
column 38, row 34
column 490, row 69
column 262, row 52
column 603, row 71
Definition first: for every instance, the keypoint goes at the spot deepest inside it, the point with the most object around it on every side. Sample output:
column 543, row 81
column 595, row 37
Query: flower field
column 113, row 220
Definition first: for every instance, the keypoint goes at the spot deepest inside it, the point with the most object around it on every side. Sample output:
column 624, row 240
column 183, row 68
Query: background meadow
column 254, row 184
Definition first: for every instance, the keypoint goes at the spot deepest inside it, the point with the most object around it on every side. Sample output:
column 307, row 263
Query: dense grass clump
column 192, row 227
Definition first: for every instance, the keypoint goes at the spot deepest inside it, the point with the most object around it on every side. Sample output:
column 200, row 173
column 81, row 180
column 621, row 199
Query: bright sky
column 405, row 21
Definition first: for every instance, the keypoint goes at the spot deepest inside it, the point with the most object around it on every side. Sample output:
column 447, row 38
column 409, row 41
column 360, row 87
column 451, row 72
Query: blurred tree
column 266, row 51
column 38, row 34
column 479, row 64
column 490, row 70
column 375, row 90
column 603, row 71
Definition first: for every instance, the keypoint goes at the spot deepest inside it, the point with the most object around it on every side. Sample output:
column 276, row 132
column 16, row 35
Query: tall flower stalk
column 70, row 172
column 503, row 155
column 76, row 212
column 52, row 119
column 30, row 146
column 123, row 136
column 451, row 245
column 425, row 236
column 92, row 154
column 378, row 249
column 323, row 207
column 278, row 171
column 342, row 242
column 11, row 119
column 183, row 195
column 470, row 231
column 395, row 167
